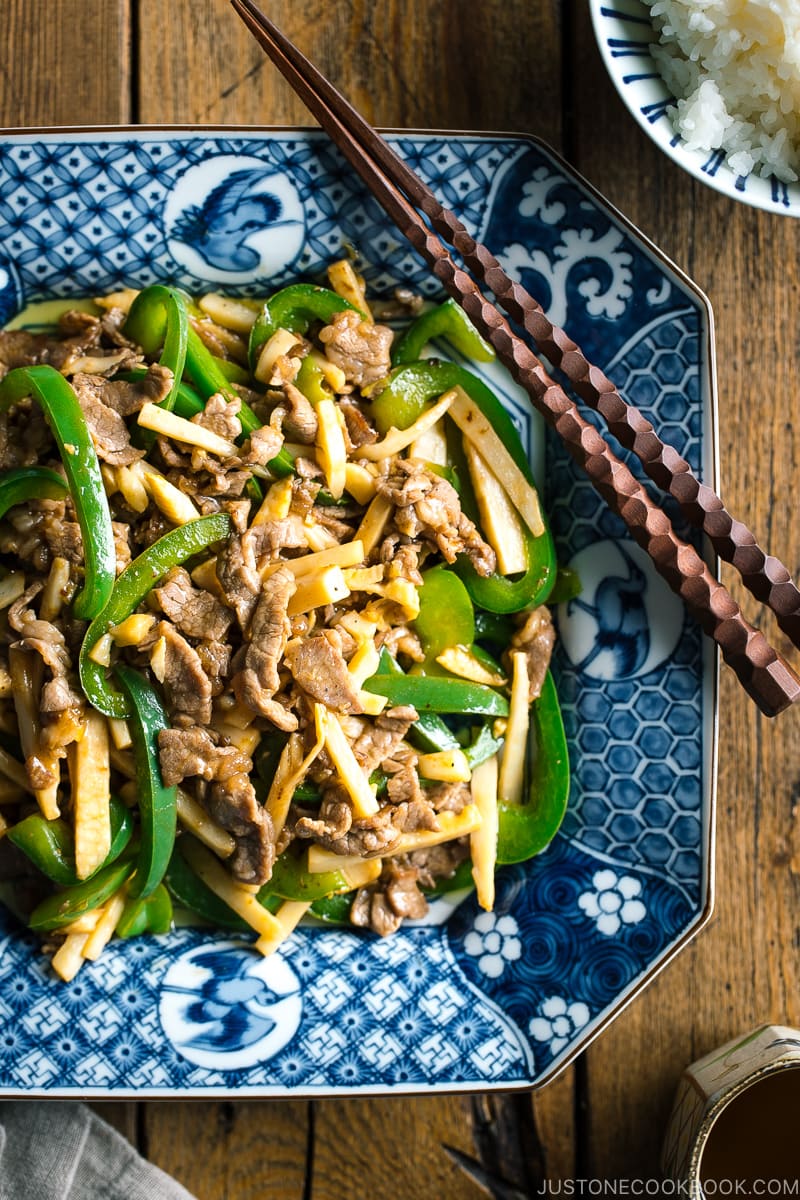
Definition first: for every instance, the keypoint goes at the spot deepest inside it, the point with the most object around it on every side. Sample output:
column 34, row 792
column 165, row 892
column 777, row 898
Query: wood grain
column 742, row 970
column 402, row 63
column 367, row 1147
column 244, row 1151
column 70, row 64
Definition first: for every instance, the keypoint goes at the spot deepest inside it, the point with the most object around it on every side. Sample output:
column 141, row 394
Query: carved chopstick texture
column 765, row 576
column 765, row 675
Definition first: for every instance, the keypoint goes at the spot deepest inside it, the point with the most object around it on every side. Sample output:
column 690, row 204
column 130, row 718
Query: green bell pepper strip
column 158, row 319
column 291, row 880
column 50, row 845
column 312, row 382
column 295, row 308
column 431, row 734
column 567, row 586
column 334, row 910
column 526, row 829
column 158, row 804
column 446, row 616
column 507, row 594
column 233, row 372
column 483, row 747
column 191, row 893
column 29, row 483
column 65, row 907
column 447, row 321
column 135, row 582
column 493, row 627
column 63, row 414
column 439, row 694
column 409, row 390
column 205, row 370
column 146, row 914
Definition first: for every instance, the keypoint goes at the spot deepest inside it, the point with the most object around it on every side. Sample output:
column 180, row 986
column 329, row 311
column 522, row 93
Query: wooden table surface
column 513, row 65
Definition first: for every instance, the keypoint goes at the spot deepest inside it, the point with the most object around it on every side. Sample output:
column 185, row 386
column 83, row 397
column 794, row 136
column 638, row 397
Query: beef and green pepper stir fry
column 274, row 634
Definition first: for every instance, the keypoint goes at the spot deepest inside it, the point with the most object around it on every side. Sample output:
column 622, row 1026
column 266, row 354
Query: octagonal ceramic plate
column 470, row 1000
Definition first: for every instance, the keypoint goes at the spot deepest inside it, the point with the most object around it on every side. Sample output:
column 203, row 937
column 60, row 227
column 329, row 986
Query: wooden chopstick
column 765, row 674
column 763, row 574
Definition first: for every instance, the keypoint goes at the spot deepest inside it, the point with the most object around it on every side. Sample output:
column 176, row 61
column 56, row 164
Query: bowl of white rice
column 716, row 84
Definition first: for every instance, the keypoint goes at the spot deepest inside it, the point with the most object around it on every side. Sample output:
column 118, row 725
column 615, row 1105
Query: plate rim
column 711, row 659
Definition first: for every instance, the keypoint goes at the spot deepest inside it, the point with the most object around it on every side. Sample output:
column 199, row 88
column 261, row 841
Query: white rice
column 735, row 66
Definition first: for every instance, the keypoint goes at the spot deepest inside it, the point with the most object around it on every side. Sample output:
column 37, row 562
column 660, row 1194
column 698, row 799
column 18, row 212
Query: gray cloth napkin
column 58, row 1150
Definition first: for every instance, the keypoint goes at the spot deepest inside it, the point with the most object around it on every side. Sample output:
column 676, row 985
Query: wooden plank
column 236, row 1151
column 404, row 64
column 69, row 66
column 68, row 85
column 121, row 1116
column 554, row 1115
column 379, row 1147
column 743, row 969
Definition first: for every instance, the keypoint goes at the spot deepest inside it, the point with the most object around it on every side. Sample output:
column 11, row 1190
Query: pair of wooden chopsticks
column 764, row 673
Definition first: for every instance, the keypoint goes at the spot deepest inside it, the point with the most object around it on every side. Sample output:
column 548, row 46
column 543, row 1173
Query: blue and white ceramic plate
column 470, row 1000
column 624, row 31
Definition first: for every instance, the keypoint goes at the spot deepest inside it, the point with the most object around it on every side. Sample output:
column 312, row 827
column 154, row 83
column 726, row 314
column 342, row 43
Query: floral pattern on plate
column 481, row 999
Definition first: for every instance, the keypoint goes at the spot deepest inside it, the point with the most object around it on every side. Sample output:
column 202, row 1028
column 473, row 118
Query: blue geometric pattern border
column 478, row 999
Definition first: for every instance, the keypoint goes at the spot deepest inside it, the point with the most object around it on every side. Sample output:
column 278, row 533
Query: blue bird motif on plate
column 232, row 1006
column 218, row 228
column 620, row 614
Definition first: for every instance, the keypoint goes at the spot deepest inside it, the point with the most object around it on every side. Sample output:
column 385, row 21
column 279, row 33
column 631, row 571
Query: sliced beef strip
column 238, row 575
column 41, row 636
column 438, row 862
column 128, row 397
column 449, row 797
column 19, row 348
column 271, row 538
column 193, row 611
column 229, row 797
column 427, row 506
column 25, row 437
column 358, row 347
column 186, row 753
column 59, row 695
column 216, row 660
column 63, row 538
column 107, row 428
column 187, row 686
column 221, row 416
column 368, row 836
column 359, row 430
column 395, row 895
column 334, row 816
column 404, row 787
column 102, row 329
column 296, row 415
column 320, row 671
column 536, row 638
column 257, row 679
column 233, row 804
column 262, row 446
column 379, row 739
